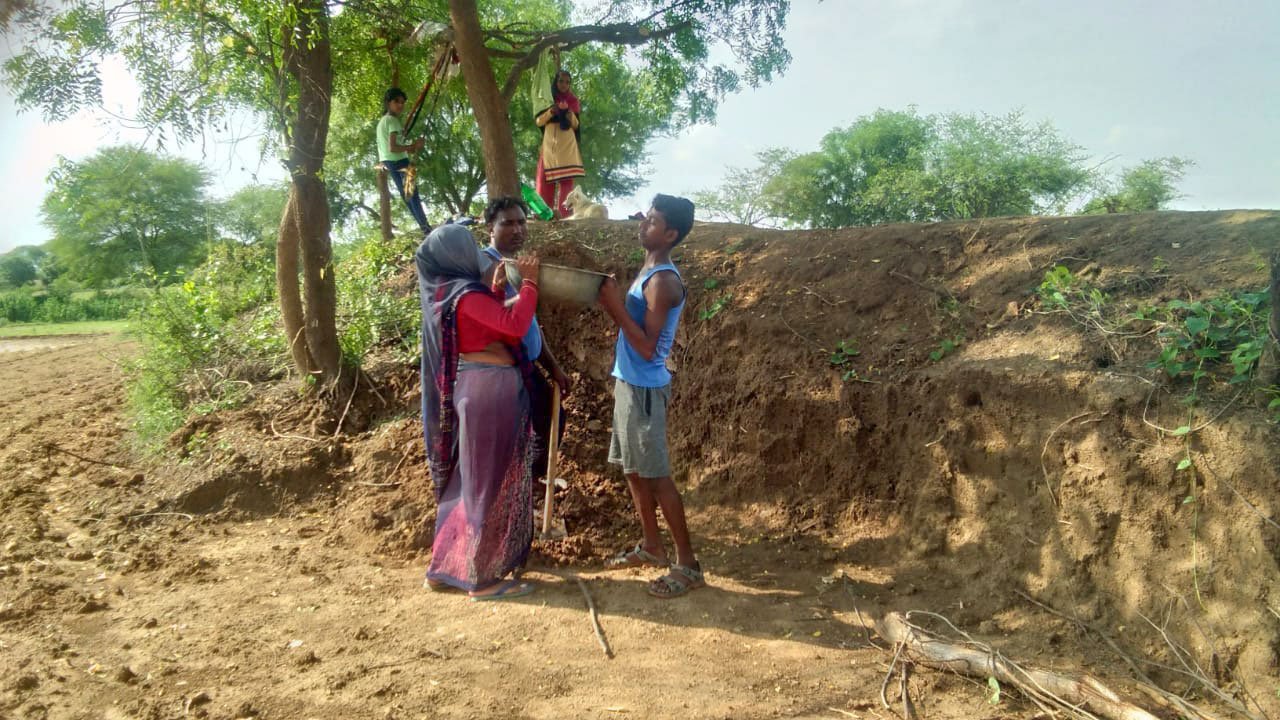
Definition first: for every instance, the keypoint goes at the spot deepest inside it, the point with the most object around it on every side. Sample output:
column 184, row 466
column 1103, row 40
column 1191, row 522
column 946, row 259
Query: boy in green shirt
column 393, row 152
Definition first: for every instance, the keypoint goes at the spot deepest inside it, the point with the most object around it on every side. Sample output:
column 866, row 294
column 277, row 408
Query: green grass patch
column 87, row 327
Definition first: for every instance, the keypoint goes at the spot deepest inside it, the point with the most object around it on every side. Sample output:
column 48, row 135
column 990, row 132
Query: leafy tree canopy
column 1150, row 185
column 628, row 96
column 899, row 166
column 22, row 265
column 251, row 216
column 125, row 210
column 741, row 198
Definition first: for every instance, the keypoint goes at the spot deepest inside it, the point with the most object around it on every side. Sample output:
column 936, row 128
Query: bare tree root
column 1082, row 697
column 1048, row 484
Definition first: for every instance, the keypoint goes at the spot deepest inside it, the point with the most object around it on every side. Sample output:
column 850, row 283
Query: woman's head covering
column 449, row 264
column 567, row 97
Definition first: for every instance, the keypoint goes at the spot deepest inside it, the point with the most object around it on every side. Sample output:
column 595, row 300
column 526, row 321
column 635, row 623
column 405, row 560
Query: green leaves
column 125, row 211
column 1151, row 185
column 1196, row 325
column 945, row 347
column 994, row 685
column 845, row 352
column 903, row 167
column 1198, row 336
column 720, row 304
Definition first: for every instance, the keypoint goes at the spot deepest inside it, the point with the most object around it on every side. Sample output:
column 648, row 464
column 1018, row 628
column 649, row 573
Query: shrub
column 205, row 339
column 371, row 313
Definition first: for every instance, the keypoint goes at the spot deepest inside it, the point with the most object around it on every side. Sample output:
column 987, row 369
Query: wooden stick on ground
column 595, row 620
column 1082, row 697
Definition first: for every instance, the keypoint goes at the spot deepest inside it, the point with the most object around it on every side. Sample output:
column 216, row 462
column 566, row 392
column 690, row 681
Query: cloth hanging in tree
column 540, row 91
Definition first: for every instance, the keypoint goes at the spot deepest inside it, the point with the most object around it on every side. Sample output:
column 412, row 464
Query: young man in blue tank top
column 647, row 318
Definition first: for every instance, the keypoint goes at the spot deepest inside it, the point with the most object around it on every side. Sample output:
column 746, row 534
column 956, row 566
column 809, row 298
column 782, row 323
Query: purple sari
column 477, row 428
column 484, row 524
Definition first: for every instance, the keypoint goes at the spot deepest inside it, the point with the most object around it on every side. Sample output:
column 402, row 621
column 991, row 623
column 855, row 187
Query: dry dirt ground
column 272, row 566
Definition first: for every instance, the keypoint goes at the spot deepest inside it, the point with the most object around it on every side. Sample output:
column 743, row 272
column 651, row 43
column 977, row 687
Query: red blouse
column 485, row 318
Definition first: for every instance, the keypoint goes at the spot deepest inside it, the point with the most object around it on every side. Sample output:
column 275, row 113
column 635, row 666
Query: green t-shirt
column 387, row 125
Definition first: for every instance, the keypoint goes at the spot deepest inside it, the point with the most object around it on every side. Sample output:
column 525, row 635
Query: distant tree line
column 900, row 166
column 126, row 217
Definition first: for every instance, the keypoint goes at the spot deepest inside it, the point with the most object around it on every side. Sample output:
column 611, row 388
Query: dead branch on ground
column 595, row 619
column 1082, row 697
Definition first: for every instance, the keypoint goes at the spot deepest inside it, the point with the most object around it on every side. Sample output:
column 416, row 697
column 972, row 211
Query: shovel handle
column 552, row 451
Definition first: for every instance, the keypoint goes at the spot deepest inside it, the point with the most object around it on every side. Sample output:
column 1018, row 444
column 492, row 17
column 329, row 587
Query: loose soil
column 271, row 565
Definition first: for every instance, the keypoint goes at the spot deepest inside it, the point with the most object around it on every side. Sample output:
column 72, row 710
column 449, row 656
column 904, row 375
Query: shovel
column 552, row 451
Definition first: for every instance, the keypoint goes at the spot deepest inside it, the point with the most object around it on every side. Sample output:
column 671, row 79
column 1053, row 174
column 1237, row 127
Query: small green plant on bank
column 197, row 442
column 946, row 347
column 1218, row 340
column 721, row 303
column 1206, row 339
column 994, row 685
column 845, row 352
column 950, row 307
column 1201, row 342
column 710, row 284
column 842, row 359
column 1061, row 291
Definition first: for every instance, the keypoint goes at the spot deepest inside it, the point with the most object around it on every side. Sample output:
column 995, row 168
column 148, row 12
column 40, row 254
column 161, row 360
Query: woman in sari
column 475, row 416
column 559, row 160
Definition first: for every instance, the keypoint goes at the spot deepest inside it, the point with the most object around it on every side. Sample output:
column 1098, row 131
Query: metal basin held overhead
column 562, row 283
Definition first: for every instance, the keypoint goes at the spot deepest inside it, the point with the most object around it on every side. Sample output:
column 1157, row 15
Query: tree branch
column 631, row 34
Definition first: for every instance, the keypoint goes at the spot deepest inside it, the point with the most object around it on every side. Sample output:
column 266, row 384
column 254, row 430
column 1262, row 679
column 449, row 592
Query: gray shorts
column 639, row 441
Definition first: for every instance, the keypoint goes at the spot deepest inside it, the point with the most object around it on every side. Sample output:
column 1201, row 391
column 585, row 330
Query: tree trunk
column 304, row 231
column 384, row 203
column 287, row 288
column 486, row 100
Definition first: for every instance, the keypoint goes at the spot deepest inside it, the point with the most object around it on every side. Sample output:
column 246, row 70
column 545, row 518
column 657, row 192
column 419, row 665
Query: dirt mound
column 896, row 389
column 887, row 414
column 901, row 392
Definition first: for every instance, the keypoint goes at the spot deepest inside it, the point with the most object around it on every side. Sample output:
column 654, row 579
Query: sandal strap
column 645, row 555
column 693, row 575
column 637, row 555
column 680, row 579
column 672, row 583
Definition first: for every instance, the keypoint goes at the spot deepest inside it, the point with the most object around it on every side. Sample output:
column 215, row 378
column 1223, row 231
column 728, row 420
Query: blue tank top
column 629, row 365
column 532, row 340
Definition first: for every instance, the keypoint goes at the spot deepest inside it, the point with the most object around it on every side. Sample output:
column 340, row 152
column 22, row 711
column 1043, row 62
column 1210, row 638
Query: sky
column 1127, row 79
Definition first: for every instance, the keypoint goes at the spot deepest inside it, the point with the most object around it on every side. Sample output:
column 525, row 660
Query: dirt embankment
column 874, row 418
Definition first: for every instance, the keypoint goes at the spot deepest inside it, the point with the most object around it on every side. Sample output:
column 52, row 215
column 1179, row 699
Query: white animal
column 584, row 208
